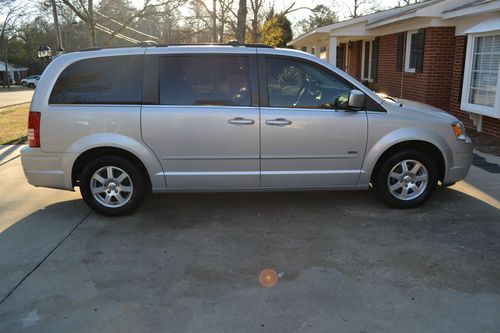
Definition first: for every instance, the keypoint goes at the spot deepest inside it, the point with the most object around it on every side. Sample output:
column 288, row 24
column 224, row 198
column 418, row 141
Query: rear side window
column 107, row 80
column 205, row 80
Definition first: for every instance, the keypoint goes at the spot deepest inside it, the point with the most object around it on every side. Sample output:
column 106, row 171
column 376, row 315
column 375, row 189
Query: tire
column 31, row 85
column 116, row 195
column 410, row 186
column 24, row 84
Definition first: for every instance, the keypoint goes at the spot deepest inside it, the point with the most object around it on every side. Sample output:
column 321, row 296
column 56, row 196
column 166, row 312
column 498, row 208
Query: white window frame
column 408, row 51
column 493, row 111
column 370, row 55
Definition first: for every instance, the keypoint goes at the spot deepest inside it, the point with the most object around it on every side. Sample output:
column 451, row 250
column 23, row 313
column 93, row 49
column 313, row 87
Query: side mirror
column 356, row 100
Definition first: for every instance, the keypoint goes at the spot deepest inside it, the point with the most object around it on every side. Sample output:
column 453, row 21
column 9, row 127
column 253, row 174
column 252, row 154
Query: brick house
column 445, row 53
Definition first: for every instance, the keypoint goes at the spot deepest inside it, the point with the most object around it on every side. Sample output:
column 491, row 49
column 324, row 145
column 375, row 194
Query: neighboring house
column 441, row 52
column 16, row 73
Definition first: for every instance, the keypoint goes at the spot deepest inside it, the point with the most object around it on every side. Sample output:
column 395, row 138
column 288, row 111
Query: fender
column 114, row 140
column 377, row 146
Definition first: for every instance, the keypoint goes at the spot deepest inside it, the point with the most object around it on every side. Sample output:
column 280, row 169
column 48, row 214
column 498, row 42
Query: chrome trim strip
column 166, row 158
column 308, row 157
column 254, row 173
column 294, row 157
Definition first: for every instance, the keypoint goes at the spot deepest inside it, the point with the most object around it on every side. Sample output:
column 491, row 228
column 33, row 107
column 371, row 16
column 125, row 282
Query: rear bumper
column 459, row 162
column 47, row 169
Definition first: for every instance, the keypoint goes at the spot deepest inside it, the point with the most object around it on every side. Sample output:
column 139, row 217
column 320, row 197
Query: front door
column 205, row 129
column 308, row 138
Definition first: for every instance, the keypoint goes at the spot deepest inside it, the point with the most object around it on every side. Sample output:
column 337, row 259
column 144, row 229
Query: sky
column 298, row 15
column 339, row 6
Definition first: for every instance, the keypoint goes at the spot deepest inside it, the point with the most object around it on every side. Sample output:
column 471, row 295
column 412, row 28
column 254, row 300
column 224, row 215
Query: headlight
column 459, row 130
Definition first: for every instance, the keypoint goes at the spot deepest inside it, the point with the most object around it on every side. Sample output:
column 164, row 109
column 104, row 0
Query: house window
column 322, row 53
column 313, row 50
column 367, row 73
column 481, row 75
column 304, row 48
column 414, row 51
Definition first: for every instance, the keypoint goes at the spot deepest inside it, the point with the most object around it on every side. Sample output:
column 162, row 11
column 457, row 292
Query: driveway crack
column 45, row 258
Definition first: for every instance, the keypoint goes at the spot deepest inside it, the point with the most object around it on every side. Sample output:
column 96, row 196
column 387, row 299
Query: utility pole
column 58, row 31
column 7, row 76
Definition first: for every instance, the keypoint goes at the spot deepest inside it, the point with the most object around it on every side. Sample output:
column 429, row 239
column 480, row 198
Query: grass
column 14, row 124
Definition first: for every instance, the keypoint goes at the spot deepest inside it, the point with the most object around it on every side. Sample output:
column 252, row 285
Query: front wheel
column 406, row 179
column 112, row 186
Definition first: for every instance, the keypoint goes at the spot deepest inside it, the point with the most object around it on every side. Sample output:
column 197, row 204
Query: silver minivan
column 122, row 122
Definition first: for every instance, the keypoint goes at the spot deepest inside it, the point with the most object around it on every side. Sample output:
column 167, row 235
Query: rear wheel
column 31, row 85
column 406, row 179
column 112, row 186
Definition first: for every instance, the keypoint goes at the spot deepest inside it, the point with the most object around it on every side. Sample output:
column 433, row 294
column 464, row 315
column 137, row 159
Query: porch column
column 332, row 50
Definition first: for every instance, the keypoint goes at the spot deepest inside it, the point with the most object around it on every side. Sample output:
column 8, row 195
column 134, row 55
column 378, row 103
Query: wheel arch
column 92, row 153
column 420, row 145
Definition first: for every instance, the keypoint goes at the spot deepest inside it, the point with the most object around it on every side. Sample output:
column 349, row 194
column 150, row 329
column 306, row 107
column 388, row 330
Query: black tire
column 31, row 85
column 381, row 180
column 136, row 178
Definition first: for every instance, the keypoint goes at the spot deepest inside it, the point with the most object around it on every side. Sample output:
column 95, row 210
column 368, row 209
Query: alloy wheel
column 111, row 186
column 407, row 180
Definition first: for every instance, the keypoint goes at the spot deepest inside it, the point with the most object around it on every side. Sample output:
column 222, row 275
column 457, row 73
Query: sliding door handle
column 241, row 121
column 279, row 122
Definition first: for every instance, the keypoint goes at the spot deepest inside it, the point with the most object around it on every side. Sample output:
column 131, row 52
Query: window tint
column 205, row 80
column 107, row 80
column 292, row 83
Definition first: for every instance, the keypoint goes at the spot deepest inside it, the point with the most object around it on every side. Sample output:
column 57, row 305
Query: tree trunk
column 221, row 27
column 93, row 41
column 91, row 23
column 242, row 21
column 214, row 22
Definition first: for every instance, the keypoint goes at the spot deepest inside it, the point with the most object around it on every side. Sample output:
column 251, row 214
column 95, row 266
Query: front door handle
column 241, row 121
column 279, row 122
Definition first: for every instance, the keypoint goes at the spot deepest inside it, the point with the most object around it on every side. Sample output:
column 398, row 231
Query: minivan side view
column 233, row 117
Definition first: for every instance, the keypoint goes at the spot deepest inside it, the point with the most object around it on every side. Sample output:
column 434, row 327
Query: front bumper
column 459, row 162
column 47, row 169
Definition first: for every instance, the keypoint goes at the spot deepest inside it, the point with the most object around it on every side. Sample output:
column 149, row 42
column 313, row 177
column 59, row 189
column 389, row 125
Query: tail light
column 34, row 129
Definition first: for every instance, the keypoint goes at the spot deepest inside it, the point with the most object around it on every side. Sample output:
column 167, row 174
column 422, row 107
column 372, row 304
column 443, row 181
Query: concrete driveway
column 15, row 95
column 190, row 262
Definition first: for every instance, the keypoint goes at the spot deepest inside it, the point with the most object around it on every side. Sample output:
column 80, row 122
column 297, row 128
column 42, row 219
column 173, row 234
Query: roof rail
column 233, row 43
column 148, row 43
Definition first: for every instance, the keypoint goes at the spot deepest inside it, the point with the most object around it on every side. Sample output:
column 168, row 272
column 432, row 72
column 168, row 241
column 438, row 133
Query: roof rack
column 233, row 43
column 148, row 43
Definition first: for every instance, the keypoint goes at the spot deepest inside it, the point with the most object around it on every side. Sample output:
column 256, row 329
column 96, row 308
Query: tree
column 402, row 3
column 87, row 13
column 276, row 30
column 356, row 8
column 320, row 15
column 241, row 20
column 256, row 7
column 11, row 11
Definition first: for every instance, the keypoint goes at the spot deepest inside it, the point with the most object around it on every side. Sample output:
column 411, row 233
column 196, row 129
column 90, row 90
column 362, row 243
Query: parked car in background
column 229, row 118
column 31, row 81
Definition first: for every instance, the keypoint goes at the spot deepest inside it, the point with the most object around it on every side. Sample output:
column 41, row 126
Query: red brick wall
column 439, row 84
column 490, row 125
column 433, row 85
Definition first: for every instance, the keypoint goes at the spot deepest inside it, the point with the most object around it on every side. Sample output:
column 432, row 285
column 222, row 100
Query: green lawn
column 14, row 124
